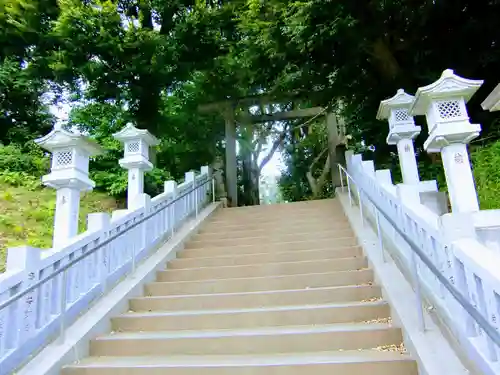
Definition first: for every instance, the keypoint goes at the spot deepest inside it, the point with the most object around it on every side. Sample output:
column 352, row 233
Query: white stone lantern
column 137, row 143
column 402, row 131
column 443, row 104
column 69, row 176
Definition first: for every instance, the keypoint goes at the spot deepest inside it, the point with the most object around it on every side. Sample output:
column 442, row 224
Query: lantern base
column 398, row 133
column 442, row 136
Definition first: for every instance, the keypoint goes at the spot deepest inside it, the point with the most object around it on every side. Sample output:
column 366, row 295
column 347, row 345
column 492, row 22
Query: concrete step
column 213, row 242
column 263, row 258
column 310, row 296
column 283, row 210
column 295, row 206
column 252, row 317
column 287, row 226
column 262, row 270
column 302, row 281
column 253, row 341
column 281, row 219
column 275, row 236
column 257, row 248
column 273, row 290
column 346, row 362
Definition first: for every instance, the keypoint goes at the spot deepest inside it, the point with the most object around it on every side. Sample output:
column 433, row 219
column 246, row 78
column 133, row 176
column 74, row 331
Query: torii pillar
column 231, row 167
column 336, row 148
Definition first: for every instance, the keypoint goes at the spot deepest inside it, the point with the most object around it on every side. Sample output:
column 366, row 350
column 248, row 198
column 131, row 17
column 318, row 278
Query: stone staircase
column 281, row 289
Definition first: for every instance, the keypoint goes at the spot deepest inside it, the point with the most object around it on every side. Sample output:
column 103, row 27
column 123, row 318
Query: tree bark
column 317, row 185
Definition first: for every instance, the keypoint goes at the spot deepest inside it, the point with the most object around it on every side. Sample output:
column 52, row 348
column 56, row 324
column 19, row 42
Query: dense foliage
column 154, row 62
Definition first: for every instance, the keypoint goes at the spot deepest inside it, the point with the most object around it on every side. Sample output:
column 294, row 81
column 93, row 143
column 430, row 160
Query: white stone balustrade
column 34, row 319
column 462, row 245
column 450, row 242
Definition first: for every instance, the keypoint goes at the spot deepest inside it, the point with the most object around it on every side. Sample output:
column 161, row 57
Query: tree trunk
column 333, row 143
column 246, row 157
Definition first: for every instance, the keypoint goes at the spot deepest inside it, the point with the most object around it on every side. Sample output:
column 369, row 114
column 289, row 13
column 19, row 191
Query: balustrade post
column 69, row 176
column 23, row 323
column 144, row 201
column 205, row 171
column 409, row 196
column 455, row 226
column 137, row 143
column 190, row 179
column 101, row 221
column 384, row 177
column 170, row 188
column 444, row 105
column 348, row 155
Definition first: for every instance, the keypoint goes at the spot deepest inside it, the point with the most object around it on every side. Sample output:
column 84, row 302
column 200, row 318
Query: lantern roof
column 400, row 100
column 492, row 101
column 130, row 132
column 448, row 86
column 60, row 138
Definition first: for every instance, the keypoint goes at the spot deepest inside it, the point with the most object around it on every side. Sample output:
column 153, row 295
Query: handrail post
column 101, row 221
column 144, row 201
column 349, row 192
column 195, row 192
column 213, row 189
column 190, row 178
column 170, row 188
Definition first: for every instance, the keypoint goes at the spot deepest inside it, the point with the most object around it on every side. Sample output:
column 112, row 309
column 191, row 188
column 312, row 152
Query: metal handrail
column 64, row 268
column 491, row 331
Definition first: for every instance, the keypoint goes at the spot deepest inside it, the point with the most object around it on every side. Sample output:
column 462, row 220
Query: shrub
column 30, row 159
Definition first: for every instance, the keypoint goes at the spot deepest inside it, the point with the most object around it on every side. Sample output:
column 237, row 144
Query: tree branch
column 316, row 159
column 317, row 185
column 276, row 144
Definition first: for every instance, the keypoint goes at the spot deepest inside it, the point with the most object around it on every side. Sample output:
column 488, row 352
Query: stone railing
column 451, row 258
column 43, row 291
column 466, row 263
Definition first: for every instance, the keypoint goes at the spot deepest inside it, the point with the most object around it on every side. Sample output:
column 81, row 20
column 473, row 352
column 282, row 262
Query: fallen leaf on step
column 379, row 320
column 392, row 348
column 372, row 299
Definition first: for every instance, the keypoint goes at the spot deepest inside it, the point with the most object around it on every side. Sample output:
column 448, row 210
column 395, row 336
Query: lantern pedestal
column 66, row 215
column 135, row 182
column 69, row 176
column 136, row 159
column 402, row 131
column 459, row 177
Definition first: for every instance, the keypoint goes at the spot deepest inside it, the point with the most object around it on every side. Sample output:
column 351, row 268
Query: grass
column 27, row 215
column 486, row 161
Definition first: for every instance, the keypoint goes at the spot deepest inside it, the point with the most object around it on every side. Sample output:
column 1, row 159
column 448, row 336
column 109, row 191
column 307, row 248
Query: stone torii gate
column 336, row 134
